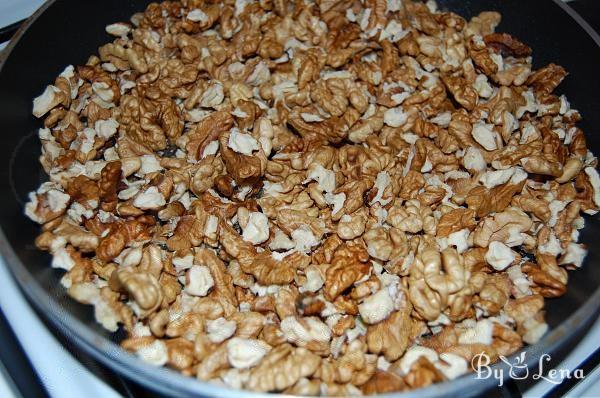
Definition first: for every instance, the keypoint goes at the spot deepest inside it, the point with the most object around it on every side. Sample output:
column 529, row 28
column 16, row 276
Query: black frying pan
column 67, row 32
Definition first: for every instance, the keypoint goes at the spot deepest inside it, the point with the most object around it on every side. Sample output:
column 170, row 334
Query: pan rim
column 170, row 381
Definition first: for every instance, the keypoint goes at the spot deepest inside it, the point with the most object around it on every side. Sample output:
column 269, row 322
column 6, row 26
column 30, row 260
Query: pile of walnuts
column 334, row 198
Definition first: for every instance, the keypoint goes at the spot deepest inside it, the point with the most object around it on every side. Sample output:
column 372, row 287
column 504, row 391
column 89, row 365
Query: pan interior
column 69, row 31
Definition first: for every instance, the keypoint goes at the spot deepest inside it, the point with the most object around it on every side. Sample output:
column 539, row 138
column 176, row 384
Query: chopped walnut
column 392, row 336
column 333, row 198
column 282, row 367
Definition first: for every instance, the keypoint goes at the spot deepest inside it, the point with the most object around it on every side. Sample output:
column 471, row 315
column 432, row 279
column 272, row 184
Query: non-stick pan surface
column 67, row 32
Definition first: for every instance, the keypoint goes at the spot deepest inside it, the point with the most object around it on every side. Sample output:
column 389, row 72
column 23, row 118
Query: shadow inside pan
column 69, row 31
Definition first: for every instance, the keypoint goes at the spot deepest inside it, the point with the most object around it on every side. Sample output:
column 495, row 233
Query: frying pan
column 67, row 32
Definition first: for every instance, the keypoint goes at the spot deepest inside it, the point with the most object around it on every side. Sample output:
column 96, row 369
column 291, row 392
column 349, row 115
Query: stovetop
column 41, row 363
